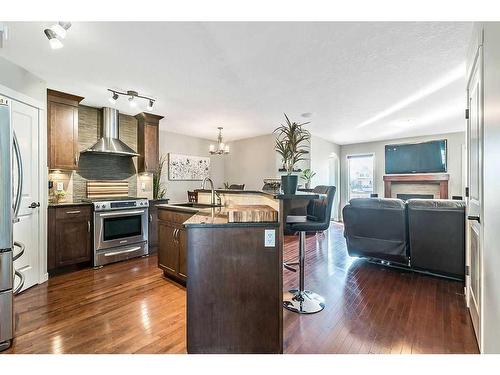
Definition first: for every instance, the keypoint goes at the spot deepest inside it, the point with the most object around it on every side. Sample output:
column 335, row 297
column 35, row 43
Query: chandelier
column 221, row 148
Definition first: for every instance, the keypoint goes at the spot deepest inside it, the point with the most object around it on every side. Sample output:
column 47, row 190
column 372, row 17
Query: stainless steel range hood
column 110, row 143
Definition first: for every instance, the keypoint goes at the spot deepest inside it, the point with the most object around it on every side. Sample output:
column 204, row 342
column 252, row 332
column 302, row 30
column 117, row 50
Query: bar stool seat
column 318, row 218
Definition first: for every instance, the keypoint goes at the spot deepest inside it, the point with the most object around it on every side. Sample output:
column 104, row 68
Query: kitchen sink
column 196, row 205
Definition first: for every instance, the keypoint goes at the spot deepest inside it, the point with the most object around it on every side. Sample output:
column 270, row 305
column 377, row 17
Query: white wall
column 491, row 187
column 186, row 145
column 250, row 161
column 22, row 81
column 325, row 157
column 455, row 143
column 321, row 151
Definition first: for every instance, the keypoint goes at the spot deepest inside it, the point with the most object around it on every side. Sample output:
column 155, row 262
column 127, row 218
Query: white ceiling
column 361, row 81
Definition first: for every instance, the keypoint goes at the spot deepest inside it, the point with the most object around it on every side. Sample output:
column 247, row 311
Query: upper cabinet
column 148, row 141
column 62, row 130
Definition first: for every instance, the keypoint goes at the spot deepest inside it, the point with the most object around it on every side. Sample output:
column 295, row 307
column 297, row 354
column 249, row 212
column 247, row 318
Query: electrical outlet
column 269, row 238
column 143, row 186
column 60, row 186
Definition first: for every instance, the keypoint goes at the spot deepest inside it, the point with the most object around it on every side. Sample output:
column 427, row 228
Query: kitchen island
column 233, row 272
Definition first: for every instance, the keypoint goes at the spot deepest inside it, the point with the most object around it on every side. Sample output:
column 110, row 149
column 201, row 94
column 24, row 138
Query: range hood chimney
column 109, row 144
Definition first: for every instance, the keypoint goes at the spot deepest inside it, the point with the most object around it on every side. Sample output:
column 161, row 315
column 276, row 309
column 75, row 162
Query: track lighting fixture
column 113, row 98
column 132, row 102
column 60, row 28
column 56, row 32
column 53, row 41
column 132, row 95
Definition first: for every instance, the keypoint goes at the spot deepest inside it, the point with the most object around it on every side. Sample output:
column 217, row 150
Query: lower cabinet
column 153, row 224
column 172, row 244
column 69, row 237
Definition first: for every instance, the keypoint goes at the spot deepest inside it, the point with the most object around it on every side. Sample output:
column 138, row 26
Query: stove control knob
column 96, row 206
column 103, row 206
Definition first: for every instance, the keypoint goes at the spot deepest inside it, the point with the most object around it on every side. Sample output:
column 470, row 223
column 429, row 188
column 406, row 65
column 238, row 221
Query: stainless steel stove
column 120, row 229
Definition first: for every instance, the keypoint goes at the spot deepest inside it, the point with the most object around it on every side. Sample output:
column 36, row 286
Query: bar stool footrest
column 305, row 302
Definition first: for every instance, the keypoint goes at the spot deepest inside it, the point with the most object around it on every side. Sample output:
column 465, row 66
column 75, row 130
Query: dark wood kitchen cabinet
column 172, row 244
column 148, row 146
column 69, row 237
column 62, row 130
column 153, row 224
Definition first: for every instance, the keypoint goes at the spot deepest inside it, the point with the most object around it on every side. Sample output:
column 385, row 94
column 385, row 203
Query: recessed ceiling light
column 53, row 41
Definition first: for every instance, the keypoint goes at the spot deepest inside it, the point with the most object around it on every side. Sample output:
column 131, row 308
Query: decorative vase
column 289, row 184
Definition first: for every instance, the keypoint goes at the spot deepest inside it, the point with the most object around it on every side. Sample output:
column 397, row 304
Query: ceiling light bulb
column 53, row 41
column 151, row 105
column 132, row 102
column 60, row 29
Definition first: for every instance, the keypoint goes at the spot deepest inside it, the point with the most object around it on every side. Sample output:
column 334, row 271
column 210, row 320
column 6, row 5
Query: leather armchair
column 377, row 228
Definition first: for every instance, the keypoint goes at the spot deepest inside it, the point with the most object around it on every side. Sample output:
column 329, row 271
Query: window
column 360, row 176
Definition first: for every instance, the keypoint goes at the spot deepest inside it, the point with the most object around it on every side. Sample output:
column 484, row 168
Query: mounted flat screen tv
column 426, row 157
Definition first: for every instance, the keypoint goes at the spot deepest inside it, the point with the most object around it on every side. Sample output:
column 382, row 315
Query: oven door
column 120, row 227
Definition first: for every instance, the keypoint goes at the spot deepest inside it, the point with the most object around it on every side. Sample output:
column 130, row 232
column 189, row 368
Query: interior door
column 475, row 184
column 25, row 124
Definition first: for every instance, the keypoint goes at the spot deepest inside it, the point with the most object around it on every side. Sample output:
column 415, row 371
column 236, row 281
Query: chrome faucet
column 212, row 190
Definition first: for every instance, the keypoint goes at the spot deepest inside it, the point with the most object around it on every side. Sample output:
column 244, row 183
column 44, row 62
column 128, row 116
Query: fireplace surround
column 433, row 185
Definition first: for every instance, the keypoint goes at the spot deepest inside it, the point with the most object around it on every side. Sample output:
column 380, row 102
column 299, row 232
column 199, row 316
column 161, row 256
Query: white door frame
column 474, row 58
column 43, row 174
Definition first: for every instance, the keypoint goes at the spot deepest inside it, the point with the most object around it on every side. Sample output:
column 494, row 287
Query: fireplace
column 424, row 185
column 405, row 197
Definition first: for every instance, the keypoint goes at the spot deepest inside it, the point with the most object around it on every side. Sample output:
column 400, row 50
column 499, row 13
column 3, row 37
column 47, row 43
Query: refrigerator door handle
column 19, row 191
column 22, row 278
column 21, row 252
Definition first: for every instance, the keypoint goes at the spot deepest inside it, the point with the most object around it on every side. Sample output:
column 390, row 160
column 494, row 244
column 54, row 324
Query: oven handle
column 122, row 251
column 123, row 213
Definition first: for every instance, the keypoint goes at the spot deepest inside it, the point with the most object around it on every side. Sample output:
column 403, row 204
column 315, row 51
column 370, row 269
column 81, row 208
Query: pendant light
column 221, row 148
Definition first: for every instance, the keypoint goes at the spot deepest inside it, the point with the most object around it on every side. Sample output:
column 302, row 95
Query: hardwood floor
column 129, row 308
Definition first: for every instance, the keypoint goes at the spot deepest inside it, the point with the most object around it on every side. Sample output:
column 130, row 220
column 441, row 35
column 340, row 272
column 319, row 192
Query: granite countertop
column 299, row 195
column 210, row 216
column 218, row 217
column 70, row 203
column 236, row 191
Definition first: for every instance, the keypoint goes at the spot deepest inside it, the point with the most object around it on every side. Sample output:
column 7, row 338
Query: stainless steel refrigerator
column 10, row 199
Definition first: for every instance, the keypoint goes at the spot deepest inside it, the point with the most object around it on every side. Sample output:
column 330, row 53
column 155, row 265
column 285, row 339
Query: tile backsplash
column 101, row 167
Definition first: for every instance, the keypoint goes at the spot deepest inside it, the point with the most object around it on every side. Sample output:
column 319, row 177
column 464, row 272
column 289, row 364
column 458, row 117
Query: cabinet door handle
column 72, row 212
column 150, row 218
column 88, row 226
column 174, row 235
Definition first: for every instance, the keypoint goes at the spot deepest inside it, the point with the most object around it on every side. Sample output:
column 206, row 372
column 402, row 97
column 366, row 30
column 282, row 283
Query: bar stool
column 319, row 212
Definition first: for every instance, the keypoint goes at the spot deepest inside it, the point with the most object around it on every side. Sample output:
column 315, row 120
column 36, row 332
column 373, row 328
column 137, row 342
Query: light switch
column 269, row 238
column 60, row 186
column 143, row 186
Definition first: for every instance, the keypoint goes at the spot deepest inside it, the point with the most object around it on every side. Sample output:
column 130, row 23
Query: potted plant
column 158, row 186
column 307, row 176
column 291, row 145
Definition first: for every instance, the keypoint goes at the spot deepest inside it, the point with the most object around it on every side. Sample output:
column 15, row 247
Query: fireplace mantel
column 440, row 179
